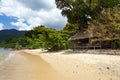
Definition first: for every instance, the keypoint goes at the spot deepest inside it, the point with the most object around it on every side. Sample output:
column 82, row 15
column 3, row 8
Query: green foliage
column 48, row 38
column 109, row 26
column 74, row 10
column 109, row 3
column 101, row 16
column 118, row 44
column 8, row 43
column 70, row 27
column 80, row 12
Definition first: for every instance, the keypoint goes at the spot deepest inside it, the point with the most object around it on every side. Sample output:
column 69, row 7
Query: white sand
column 38, row 65
column 84, row 66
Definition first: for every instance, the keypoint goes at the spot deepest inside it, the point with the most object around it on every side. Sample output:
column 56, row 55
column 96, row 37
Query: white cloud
column 22, row 26
column 34, row 14
column 1, row 26
column 38, row 4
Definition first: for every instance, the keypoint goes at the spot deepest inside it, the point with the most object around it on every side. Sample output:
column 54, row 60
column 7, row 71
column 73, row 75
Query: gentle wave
column 5, row 55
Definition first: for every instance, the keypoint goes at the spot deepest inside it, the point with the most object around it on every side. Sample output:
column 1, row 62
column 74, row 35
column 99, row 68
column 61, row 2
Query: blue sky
column 6, row 21
column 25, row 15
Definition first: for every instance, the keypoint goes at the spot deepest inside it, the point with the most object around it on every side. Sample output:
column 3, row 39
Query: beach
column 41, row 65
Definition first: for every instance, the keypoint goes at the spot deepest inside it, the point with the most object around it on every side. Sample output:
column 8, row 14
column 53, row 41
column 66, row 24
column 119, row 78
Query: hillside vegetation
column 100, row 16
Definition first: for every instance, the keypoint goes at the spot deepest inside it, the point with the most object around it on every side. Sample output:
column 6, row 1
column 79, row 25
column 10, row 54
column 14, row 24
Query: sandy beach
column 39, row 65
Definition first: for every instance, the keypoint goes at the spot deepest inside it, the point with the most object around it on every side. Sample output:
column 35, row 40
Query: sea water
column 4, row 54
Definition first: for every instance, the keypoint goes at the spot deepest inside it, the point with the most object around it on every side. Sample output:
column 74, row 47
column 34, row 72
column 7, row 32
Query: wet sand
column 24, row 66
column 37, row 65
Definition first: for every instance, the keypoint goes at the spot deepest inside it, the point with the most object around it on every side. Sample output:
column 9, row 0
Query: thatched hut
column 84, row 40
column 88, row 40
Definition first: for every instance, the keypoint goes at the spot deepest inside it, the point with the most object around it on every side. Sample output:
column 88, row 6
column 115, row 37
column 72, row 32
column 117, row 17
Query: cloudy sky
column 25, row 14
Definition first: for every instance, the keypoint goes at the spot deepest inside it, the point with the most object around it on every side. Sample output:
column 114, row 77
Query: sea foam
column 5, row 55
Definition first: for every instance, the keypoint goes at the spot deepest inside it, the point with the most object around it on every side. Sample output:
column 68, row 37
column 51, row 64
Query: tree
column 108, row 27
column 74, row 10
column 80, row 12
column 47, row 38
column 70, row 27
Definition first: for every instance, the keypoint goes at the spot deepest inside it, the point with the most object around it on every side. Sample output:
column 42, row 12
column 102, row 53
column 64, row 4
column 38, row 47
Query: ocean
column 5, row 54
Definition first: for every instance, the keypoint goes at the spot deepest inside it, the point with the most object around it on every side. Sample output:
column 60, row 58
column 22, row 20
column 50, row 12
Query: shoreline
column 26, row 66
column 85, row 61
column 39, row 65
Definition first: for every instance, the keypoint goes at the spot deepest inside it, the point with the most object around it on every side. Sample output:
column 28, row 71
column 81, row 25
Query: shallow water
column 4, row 55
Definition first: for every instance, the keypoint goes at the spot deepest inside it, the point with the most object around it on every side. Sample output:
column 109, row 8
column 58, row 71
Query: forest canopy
column 103, row 16
column 42, row 37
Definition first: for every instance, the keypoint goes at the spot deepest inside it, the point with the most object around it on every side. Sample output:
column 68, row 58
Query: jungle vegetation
column 100, row 16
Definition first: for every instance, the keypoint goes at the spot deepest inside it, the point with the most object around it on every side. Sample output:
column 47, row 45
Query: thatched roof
column 81, row 35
